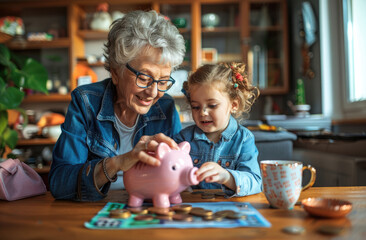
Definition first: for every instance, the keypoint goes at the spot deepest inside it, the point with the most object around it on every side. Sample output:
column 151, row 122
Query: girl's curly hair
column 235, row 80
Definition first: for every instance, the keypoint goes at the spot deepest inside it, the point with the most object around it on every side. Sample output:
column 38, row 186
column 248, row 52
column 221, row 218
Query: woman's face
column 211, row 108
column 133, row 99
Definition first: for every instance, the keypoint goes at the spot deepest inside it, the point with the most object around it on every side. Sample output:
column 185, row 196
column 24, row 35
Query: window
column 354, row 21
column 343, row 46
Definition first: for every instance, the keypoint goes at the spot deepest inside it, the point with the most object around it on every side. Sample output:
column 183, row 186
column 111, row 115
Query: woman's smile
column 144, row 101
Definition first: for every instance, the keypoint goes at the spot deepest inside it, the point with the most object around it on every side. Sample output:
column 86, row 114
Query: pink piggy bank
column 162, row 184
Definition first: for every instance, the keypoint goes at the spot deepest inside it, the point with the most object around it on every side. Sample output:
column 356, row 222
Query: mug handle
column 312, row 178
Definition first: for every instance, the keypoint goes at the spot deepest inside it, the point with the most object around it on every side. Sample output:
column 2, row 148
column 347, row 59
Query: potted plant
column 17, row 73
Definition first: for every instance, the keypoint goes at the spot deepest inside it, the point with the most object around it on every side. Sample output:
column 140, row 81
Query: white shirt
column 126, row 145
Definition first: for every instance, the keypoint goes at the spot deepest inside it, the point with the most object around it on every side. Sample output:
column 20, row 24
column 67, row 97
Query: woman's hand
column 145, row 149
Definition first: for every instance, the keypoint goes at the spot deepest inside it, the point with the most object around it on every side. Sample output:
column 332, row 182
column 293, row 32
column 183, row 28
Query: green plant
column 16, row 74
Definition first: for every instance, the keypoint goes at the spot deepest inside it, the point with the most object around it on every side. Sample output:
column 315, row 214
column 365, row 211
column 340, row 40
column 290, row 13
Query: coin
column 208, row 196
column 182, row 208
column 223, row 213
column 146, row 217
column 212, row 218
column 197, row 209
column 183, row 217
column 236, row 215
column 138, row 210
column 330, row 229
column 220, row 194
column 296, row 230
column 160, row 211
column 200, row 212
column 119, row 213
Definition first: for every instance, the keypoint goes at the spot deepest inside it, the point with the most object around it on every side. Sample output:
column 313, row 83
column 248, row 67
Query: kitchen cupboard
column 55, row 55
column 252, row 31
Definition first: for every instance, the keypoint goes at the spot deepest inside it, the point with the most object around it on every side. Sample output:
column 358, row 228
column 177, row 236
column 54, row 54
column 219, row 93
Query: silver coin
column 296, row 230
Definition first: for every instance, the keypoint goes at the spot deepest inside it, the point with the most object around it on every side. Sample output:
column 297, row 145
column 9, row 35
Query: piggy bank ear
column 185, row 146
column 163, row 148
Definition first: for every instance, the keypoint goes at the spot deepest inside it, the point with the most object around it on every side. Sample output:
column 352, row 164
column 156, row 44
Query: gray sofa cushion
column 274, row 145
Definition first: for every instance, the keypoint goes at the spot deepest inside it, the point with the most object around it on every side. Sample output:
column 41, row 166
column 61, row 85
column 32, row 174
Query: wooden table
column 43, row 217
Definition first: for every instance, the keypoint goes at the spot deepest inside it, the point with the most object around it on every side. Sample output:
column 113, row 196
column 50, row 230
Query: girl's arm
column 246, row 172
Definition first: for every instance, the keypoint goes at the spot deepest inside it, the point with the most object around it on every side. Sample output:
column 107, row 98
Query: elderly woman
column 112, row 124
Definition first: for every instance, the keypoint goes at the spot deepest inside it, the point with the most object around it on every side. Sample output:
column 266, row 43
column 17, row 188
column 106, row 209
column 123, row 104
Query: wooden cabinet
column 55, row 55
column 265, row 44
column 252, row 31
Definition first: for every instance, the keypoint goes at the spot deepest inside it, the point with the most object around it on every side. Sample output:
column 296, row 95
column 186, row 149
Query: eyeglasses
column 145, row 81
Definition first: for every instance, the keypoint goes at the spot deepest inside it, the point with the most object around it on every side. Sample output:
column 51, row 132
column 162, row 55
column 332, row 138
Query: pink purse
column 18, row 180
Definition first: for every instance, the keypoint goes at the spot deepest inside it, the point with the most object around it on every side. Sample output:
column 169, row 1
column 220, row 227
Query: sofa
column 274, row 145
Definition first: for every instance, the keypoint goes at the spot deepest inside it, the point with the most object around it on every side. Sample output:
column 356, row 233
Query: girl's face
column 211, row 109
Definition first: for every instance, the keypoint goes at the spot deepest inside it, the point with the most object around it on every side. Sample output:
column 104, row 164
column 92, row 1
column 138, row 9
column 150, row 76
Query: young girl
column 222, row 149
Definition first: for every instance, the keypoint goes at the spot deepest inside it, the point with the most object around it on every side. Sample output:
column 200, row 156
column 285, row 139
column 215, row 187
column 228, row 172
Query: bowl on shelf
column 210, row 20
column 52, row 132
column 180, row 22
column 327, row 207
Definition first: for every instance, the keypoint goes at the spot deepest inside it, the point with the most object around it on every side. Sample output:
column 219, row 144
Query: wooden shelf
column 36, row 141
column 221, row 30
column 92, row 34
column 53, row 97
column 184, row 30
column 22, row 45
column 44, row 169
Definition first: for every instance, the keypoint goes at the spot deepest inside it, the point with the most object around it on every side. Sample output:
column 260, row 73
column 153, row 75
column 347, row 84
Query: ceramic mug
column 282, row 181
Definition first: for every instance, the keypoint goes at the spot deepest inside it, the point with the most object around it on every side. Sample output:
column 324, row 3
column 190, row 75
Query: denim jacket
column 235, row 151
column 89, row 135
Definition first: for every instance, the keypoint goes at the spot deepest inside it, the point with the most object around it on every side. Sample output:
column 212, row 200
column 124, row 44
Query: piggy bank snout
column 190, row 177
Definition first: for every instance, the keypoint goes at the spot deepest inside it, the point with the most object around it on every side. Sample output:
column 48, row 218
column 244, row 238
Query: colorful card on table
column 249, row 217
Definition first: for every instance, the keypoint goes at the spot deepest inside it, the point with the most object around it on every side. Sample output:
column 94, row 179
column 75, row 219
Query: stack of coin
column 182, row 217
column 220, row 194
column 119, row 213
column 179, row 212
column 208, row 196
column 161, row 211
column 182, row 208
column 138, row 210
column 200, row 212
column 144, row 217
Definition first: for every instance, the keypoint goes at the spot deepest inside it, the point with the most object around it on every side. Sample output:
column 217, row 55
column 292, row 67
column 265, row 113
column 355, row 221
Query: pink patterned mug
column 282, row 181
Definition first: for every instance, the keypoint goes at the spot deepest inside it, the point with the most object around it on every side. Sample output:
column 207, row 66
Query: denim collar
column 107, row 108
column 226, row 135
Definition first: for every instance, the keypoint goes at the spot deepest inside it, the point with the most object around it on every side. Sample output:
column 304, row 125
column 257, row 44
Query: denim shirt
column 89, row 135
column 235, row 151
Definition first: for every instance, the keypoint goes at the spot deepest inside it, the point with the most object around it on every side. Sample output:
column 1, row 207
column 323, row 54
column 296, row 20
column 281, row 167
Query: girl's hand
column 213, row 172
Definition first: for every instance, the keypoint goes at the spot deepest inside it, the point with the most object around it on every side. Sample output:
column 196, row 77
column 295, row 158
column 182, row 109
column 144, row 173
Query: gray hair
column 129, row 35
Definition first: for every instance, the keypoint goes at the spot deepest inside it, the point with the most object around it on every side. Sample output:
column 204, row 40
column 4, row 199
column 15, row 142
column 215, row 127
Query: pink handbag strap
column 10, row 166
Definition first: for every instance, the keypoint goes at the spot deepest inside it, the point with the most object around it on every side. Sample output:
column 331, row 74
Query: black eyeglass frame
column 137, row 73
